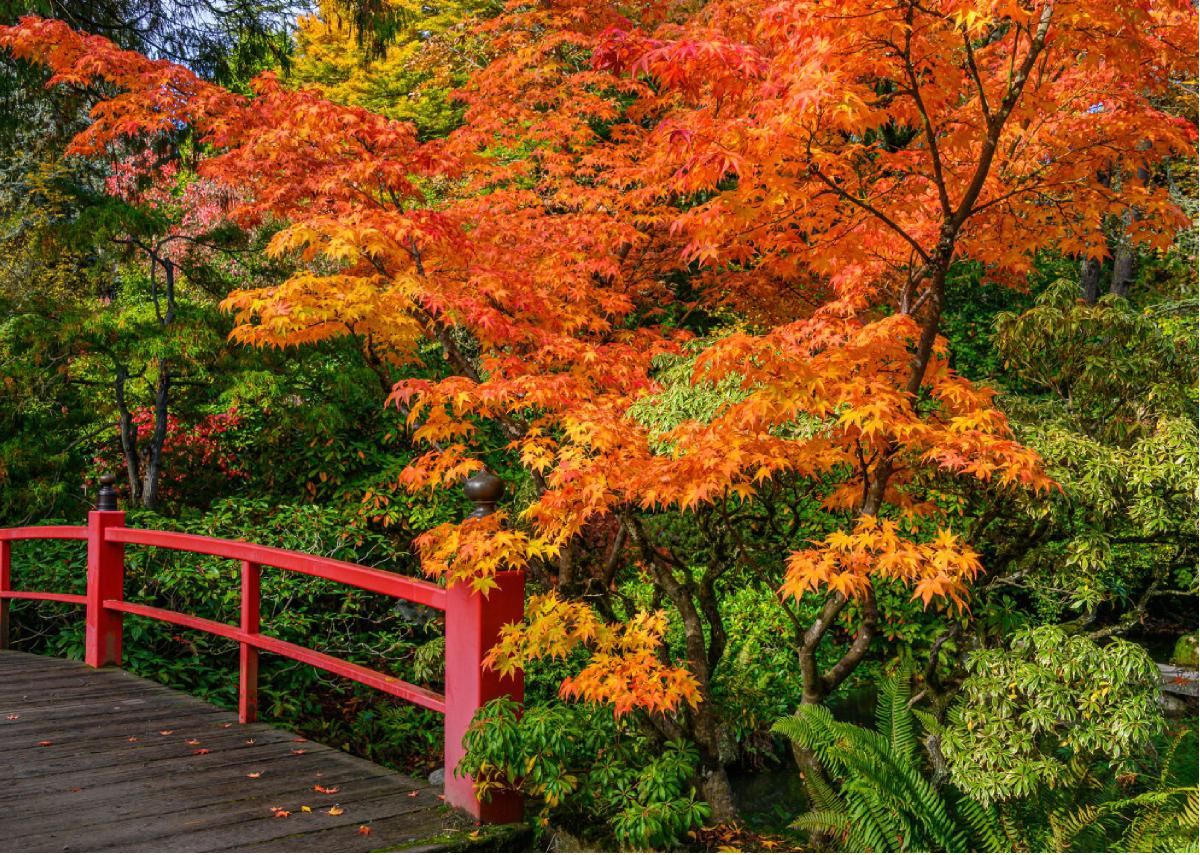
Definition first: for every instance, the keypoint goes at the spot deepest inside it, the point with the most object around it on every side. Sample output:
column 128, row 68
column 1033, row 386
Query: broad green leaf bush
column 1031, row 714
column 587, row 770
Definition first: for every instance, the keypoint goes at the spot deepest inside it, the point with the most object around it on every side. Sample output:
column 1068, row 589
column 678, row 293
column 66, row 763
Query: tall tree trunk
column 1089, row 280
column 1123, row 257
column 127, row 432
column 152, row 476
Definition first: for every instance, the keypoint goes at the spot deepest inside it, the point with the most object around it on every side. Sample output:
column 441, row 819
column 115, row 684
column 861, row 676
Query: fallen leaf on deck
column 254, row 775
column 227, row 725
column 305, row 808
column 364, row 829
column 299, row 751
column 443, row 798
column 45, row 742
column 200, row 751
column 280, row 813
column 335, row 811
column 132, row 739
column 165, row 732
column 13, row 716
column 299, row 739
column 413, row 794
column 249, row 741
column 329, row 791
column 193, row 742
column 77, row 789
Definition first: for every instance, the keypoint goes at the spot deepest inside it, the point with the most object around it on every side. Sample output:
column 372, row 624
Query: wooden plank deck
column 101, row 760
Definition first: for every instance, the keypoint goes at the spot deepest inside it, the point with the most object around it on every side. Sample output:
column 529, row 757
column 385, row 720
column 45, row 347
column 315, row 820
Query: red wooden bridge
column 93, row 737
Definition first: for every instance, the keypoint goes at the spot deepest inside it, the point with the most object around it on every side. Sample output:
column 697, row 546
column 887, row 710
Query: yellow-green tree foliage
column 424, row 57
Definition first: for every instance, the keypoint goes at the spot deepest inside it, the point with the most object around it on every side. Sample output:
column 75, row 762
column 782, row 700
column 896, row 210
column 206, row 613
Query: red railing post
column 5, row 585
column 473, row 624
column 472, row 627
column 248, row 658
column 105, row 580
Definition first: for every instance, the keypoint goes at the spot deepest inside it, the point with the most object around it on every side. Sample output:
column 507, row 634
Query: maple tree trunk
column 707, row 731
column 701, row 726
column 718, row 792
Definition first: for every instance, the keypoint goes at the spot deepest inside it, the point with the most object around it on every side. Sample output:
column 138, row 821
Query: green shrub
column 587, row 770
column 1031, row 713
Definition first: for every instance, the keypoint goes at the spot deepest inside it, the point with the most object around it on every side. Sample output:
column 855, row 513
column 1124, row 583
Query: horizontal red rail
column 366, row 578
column 367, row 676
column 77, row 599
column 45, row 532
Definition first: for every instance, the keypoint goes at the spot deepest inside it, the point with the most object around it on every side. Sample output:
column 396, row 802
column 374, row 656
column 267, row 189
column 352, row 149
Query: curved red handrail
column 355, row 575
column 45, row 532
column 252, row 555
column 74, row 599
column 360, row 674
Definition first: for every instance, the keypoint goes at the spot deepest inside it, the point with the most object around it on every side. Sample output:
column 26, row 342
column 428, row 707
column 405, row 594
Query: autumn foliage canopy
column 812, row 170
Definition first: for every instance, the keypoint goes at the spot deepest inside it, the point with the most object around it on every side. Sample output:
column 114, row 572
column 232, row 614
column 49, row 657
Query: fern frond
column 883, row 704
column 984, row 824
column 928, row 721
column 823, row 821
column 870, row 830
column 821, row 794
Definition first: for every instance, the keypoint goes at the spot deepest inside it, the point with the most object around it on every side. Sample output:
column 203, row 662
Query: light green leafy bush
column 1030, row 714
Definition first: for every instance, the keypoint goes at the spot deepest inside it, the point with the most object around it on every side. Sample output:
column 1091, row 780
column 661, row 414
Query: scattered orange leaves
column 329, row 791
column 45, row 743
column 254, row 774
column 731, row 837
column 201, row 751
column 335, row 811
column 364, row 829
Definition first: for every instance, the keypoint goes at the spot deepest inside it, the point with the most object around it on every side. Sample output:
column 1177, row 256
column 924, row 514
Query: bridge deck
column 100, row 760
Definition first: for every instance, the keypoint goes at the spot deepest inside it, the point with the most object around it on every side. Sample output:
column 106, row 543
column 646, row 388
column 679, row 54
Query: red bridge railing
column 473, row 622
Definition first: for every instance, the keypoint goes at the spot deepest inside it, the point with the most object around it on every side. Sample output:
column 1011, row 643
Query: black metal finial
column 107, row 500
column 484, row 489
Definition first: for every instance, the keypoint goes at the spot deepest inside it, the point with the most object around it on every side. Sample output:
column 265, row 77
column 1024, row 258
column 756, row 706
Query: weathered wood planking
column 133, row 766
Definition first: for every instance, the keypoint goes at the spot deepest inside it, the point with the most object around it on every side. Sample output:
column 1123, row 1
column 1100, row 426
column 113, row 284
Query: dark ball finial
column 107, row 500
column 484, row 489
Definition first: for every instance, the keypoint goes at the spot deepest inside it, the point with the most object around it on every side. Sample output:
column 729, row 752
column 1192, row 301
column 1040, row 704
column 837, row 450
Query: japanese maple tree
column 814, row 171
